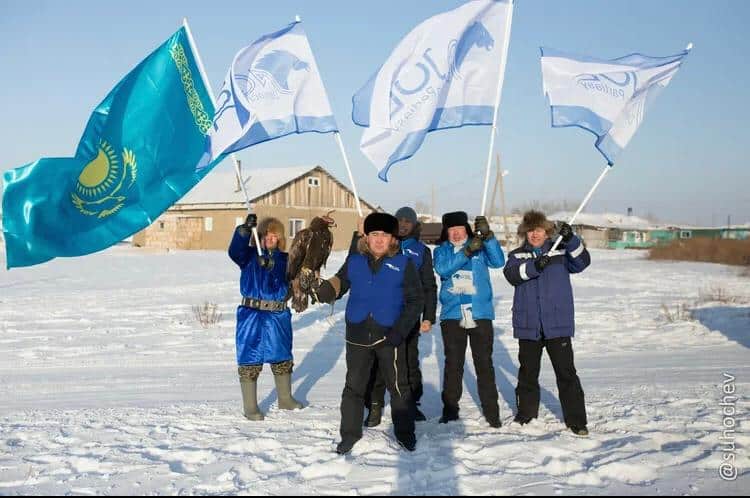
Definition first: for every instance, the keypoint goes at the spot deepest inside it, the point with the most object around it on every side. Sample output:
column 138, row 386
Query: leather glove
column 482, row 227
column 566, row 232
column 541, row 263
column 394, row 338
column 475, row 245
column 246, row 229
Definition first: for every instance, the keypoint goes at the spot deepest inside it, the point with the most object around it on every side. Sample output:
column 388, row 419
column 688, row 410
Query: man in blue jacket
column 462, row 261
column 543, row 316
column 421, row 256
column 385, row 300
column 264, row 323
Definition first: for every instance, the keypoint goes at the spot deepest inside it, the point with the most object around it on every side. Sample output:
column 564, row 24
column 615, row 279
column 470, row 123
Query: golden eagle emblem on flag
column 102, row 185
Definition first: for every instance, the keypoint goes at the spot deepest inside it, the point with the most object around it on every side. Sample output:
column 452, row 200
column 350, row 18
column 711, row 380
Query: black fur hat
column 381, row 222
column 455, row 219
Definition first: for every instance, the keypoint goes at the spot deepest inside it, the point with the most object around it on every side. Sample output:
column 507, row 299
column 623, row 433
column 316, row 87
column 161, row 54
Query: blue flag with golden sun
column 135, row 159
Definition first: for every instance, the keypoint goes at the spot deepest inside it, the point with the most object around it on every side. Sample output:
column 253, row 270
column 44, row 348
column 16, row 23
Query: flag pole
column 340, row 143
column 349, row 170
column 207, row 84
column 585, row 201
column 506, row 42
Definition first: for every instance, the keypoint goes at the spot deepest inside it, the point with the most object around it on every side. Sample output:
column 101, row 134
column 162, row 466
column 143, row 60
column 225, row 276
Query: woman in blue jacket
column 264, row 323
column 462, row 261
column 543, row 316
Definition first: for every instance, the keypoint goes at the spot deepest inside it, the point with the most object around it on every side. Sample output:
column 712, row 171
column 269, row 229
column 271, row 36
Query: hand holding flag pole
column 207, row 83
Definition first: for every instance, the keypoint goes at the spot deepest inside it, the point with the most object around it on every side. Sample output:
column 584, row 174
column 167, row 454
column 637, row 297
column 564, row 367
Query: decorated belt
column 263, row 305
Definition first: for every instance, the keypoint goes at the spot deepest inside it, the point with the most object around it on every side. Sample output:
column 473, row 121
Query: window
column 295, row 225
column 313, row 181
column 161, row 225
column 208, row 224
column 686, row 234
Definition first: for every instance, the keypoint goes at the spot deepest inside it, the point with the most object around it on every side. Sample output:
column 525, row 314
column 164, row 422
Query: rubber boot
column 250, row 400
column 284, row 390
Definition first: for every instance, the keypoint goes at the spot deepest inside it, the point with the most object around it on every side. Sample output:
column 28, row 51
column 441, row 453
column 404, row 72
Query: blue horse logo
column 476, row 36
column 269, row 77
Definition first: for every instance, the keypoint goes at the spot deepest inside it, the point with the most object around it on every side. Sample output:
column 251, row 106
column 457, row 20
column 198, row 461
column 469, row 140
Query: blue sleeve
column 577, row 257
column 240, row 250
column 494, row 253
column 519, row 270
column 447, row 262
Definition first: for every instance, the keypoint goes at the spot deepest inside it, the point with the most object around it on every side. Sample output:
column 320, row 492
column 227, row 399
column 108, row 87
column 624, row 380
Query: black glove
column 246, row 229
column 541, row 263
column 566, row 232
column 474, row 245
column 482, row 227
column 394, row 338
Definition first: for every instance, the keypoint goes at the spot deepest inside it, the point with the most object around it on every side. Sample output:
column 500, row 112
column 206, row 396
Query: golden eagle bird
column 309, row 252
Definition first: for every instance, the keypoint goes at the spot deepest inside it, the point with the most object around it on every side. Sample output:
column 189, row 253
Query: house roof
column 220, row 187
column 606, row 220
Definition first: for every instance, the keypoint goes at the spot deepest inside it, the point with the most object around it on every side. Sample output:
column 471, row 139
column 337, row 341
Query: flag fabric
column 609, row 98
column 444, row 74
column 273, row 89
column 136, row 158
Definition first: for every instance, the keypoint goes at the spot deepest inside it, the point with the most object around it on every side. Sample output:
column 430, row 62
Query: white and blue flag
column 273, row 89
column 606, row 97
column 444, row 74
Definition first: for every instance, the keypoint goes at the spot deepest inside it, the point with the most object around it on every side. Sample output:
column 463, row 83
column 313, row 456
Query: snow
column 109, row 386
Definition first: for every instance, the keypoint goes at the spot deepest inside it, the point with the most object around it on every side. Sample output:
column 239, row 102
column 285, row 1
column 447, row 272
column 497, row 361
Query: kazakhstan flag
column 135, row 159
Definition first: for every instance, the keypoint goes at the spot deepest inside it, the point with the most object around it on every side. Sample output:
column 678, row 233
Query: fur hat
column 533, row 220
column 274, row 226
column 381, row 222
column 455, row 219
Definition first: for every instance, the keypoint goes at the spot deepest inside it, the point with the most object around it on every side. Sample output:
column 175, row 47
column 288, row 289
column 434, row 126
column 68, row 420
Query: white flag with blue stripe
column 273, row 89
column 606, row 97
column 444, row 74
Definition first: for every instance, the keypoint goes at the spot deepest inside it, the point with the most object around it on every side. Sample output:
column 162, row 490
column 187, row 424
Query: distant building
column 207, row 216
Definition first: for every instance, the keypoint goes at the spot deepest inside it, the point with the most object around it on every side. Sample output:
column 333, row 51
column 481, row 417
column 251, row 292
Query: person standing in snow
column 385, row 301
column 462, row 261
column 543, row 316
column 264, row 323
column 420, row 254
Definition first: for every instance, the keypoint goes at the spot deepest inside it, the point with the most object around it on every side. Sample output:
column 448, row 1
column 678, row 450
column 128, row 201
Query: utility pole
column 432, row 207
column 500, row 175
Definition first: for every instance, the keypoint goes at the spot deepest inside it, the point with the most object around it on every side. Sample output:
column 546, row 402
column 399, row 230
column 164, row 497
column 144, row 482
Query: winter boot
column 579, row 431
column 408, row 443
column 249, row 386
column 345, row 446
column 375, row 416
column 282, row 374
column 522, row 420
column 449, row 415
column 418, row 415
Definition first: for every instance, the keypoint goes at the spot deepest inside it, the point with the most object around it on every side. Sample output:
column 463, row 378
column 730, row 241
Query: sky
column 686, row 164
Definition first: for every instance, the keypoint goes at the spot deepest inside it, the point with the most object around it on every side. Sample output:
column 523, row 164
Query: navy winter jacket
column 544, row 301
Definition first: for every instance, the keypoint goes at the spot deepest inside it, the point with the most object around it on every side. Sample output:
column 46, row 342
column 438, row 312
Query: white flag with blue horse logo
column 444, row 74
column 606, row 97
column 273, row 89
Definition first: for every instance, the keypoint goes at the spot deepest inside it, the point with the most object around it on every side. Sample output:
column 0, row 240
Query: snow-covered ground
column 109, row 386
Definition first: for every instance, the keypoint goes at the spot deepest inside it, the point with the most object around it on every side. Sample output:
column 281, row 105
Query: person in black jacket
column 420, row 254
column 385, row 300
